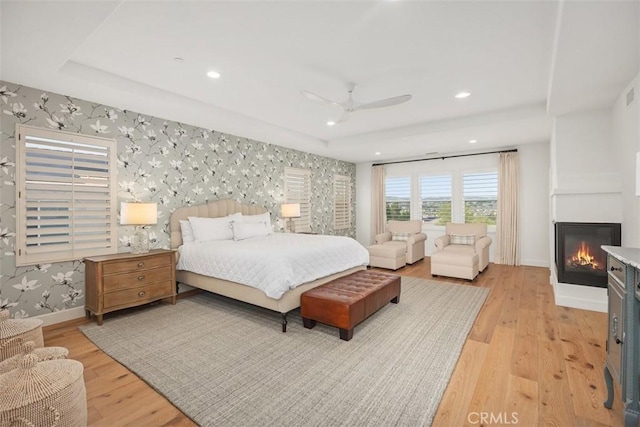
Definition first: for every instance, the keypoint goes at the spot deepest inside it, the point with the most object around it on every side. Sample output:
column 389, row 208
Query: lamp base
column 291, row 226
column 140, row 241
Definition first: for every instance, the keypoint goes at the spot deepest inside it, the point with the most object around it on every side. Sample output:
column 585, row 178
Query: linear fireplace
column 579, row 257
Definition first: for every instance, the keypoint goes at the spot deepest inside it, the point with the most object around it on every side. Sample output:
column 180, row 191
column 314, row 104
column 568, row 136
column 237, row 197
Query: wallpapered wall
column 171, row 163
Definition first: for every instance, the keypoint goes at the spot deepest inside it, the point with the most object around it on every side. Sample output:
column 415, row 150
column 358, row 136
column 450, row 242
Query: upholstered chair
column 405, row 234
column 466, row 239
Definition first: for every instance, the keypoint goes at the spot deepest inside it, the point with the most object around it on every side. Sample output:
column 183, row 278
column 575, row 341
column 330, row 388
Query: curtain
column 378, row 207
column 507, row 227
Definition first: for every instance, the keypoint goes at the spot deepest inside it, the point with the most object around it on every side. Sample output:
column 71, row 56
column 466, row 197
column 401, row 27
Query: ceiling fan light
column 463, row 94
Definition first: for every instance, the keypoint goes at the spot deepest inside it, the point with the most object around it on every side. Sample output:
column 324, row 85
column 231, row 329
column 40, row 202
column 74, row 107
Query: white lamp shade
column 290, row 210
column 138, row 213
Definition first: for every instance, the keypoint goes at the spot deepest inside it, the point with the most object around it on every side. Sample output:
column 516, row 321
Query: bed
column 289, row 300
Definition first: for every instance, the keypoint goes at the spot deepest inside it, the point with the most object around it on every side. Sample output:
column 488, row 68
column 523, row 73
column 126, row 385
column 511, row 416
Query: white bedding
column 274, row 263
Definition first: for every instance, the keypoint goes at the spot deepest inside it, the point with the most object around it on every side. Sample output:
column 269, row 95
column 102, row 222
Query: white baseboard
column 535, row 262
column 61, row 316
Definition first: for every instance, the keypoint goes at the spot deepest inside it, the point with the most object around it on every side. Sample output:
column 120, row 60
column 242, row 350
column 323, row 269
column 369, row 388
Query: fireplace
column 579, row 258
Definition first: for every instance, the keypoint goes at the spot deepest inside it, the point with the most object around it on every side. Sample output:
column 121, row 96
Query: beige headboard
column 215, row 209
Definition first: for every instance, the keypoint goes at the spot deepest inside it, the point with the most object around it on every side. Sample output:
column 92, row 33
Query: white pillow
column 246, row 230
column 207, row 229
column 263, row 217
column 187, row 231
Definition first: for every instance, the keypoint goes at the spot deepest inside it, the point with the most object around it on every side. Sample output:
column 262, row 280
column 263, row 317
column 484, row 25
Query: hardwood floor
column 526, row 362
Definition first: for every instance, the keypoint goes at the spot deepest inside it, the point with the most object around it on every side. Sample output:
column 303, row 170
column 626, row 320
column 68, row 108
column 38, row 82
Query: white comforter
column 274, row 263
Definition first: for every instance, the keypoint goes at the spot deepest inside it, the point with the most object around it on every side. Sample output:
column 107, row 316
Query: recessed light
column 331, row 123
column 213, row 74
column 462, row 94
column 377, row 153
column 473, row 141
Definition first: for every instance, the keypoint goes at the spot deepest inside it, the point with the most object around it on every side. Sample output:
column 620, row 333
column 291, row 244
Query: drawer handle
column 140, row 277
column 616, row 269
column 141, row 293
column 141, row 264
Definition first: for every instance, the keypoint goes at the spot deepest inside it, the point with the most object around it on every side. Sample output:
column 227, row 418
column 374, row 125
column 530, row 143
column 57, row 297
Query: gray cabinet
column 623, row 332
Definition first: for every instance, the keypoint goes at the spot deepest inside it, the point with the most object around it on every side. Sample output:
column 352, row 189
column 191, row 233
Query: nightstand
column 114, row 282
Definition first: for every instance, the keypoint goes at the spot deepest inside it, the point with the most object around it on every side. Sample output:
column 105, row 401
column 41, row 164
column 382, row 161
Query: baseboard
column 61, row 316
column 535, row 262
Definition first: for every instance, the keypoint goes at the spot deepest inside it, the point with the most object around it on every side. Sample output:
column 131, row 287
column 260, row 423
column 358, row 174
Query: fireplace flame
column 582, row 257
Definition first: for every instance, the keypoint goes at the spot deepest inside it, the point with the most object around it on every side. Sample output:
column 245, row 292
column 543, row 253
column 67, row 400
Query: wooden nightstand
column 114, row 282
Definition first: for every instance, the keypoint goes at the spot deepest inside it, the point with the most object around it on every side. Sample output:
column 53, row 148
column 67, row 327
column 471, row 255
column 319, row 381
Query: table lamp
column 139, row 214
column 288, row 211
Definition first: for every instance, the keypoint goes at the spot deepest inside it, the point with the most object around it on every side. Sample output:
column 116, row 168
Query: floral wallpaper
column 171, row 163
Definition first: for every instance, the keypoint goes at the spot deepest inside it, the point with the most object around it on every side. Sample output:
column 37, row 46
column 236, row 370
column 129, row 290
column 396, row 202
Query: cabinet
column 114, row 282
column 623, row 332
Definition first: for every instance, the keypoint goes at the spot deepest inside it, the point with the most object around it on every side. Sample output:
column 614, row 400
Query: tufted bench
column 348, row 300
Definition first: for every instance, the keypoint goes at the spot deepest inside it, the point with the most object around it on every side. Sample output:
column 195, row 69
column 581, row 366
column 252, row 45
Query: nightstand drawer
column 136, row 264
column 114, row 282
column 136, row 296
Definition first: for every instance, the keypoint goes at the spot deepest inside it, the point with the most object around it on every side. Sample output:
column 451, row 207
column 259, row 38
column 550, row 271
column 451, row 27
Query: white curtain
column 378, row 208
column 507, row 228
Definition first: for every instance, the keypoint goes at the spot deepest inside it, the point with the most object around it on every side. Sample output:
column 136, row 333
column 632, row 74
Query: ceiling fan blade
column 315, row 97
column 388, row 102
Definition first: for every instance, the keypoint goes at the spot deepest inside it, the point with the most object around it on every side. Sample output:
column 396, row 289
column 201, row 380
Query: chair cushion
column 460, row 249
column 401, row 236
column 462, row 239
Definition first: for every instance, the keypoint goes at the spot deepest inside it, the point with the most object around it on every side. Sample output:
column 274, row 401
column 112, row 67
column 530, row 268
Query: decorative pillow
column 263, row 218
column 246, row 230
column 187, row 231
column 400, row 236
column 463, row 239
column 207, row 229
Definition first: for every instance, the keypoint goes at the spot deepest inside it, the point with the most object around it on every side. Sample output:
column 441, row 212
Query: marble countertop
column 630, row 256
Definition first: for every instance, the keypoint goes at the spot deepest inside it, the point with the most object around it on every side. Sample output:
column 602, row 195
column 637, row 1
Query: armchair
column 463, row 252
column 405, row 234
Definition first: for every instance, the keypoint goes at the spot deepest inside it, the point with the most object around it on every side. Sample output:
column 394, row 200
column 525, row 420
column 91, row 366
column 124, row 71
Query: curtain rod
column 515, row 150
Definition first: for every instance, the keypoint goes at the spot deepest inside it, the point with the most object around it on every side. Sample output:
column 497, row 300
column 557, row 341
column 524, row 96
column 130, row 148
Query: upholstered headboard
column 215, row 209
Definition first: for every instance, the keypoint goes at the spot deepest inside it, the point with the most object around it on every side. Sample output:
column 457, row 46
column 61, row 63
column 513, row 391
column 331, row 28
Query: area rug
column 226, row 363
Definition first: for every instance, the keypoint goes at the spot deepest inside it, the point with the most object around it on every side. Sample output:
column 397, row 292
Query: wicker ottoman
column 348, row 300
column 15, row 332
column 50, row 393
column 43, row 353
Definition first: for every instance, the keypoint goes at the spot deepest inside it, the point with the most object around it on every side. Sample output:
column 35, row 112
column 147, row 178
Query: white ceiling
column 523, row 62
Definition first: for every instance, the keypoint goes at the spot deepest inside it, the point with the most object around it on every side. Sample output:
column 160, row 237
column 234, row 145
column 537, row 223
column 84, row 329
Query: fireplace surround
column 579, row 257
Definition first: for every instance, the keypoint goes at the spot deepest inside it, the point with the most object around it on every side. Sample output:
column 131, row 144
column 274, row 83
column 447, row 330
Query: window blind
column 66, row 196
column 480, row 192
column 397, row 191
column 297, row 189
column 341, row 202
column 435, row 199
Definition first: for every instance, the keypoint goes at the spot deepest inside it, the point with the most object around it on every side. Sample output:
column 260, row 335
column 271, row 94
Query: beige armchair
column 463, row 252
column 405, row 234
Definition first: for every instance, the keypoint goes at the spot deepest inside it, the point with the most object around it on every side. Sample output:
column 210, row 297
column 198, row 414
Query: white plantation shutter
column 435, row 199
column 66, row 201
column 297, row 189
column 397, row 193
column 341, row 202
column 480, row 193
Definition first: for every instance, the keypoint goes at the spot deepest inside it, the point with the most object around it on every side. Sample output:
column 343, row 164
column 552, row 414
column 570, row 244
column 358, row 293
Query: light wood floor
column 526, row 362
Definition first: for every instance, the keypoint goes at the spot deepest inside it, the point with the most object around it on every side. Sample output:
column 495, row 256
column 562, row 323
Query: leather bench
column 348, row 300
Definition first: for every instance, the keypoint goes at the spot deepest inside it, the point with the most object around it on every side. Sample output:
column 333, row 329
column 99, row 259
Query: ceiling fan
column 351, row 106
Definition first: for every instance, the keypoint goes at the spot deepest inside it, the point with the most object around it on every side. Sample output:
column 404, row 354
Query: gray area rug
column 225, row 363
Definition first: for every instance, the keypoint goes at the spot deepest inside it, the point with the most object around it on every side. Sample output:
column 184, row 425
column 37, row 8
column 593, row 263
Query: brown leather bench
column 348, row 300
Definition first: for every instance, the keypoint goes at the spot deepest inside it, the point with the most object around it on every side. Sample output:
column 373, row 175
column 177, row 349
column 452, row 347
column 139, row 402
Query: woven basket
column 44, row 353
column 50, row 393
column 15, row 332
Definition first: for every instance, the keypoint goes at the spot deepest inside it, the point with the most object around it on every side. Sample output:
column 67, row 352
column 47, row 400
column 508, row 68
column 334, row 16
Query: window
column 480, row 193
column 66, row 197
column 341, row 202
column 397, row 192
column 297, row 189
column 435, row 199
